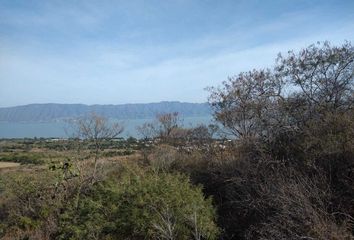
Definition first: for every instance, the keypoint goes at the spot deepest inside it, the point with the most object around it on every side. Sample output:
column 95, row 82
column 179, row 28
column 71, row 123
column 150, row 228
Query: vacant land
column 8, row 165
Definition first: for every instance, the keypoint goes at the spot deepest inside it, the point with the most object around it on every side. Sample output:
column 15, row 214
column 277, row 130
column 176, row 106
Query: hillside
column 55, row 112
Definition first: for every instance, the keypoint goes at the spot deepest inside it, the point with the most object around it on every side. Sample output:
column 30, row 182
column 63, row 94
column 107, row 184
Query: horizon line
column 105, row 104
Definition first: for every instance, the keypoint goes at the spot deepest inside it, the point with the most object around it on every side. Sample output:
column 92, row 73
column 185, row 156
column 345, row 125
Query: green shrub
column 141, row 205
column 26, row 205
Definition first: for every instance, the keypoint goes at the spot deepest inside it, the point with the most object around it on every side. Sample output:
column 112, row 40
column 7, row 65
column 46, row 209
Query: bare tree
column 320, row 78
column 323, row 74
column 165, row 126
column 147, row 130
column 96, row 129
column 244, row 102
column 168, row 122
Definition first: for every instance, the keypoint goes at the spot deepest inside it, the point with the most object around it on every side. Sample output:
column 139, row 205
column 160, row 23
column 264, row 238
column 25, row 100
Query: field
column 43, row 152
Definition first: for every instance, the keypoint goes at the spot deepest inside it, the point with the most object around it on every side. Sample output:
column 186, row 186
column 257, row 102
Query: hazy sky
column 111, row 52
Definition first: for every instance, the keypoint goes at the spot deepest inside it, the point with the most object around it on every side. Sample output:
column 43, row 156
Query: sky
column 115, row 52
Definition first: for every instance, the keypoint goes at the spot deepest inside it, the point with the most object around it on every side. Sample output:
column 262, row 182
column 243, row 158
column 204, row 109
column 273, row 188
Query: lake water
column 57, row 129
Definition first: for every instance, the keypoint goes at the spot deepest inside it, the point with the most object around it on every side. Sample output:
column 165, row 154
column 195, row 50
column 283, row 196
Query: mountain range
column 55, row 112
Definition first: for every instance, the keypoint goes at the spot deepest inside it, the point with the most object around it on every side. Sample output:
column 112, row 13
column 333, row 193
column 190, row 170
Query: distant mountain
column 54, row 112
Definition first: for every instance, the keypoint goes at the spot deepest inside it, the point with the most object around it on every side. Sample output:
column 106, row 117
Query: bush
column 27, row 205
column 141, row 205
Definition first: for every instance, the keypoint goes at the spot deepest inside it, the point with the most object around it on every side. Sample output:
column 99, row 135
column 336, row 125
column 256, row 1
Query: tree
column 168, row 122
column 295, row 178
column 317, row 80
column 321, row 77
column 321, row 100
column 165, row 126
column 147, row 130
column 96, row 129
column 244, row 102
column 323, row 74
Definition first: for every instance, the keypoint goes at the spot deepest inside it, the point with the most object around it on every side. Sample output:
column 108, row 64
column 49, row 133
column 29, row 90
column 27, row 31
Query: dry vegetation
column 8, row 165
column 287, row 173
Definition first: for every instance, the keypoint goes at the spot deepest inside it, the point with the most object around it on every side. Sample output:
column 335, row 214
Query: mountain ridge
column 47, row 112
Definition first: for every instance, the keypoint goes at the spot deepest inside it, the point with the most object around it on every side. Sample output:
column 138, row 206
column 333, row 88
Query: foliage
column 140, row 205
column 27, row 205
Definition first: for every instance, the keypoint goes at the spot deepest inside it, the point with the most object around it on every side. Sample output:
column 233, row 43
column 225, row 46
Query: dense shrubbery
column 129, row 203
column 140, row 205
column 27, row 205
column 290, row 173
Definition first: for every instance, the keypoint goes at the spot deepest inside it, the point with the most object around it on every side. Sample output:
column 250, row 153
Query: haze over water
column 58, row 129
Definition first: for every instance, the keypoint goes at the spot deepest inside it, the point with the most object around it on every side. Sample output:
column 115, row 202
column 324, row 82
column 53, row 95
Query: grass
column 23, row 158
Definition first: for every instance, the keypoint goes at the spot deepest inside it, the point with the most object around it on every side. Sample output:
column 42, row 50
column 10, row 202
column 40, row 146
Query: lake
column 57, row 129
